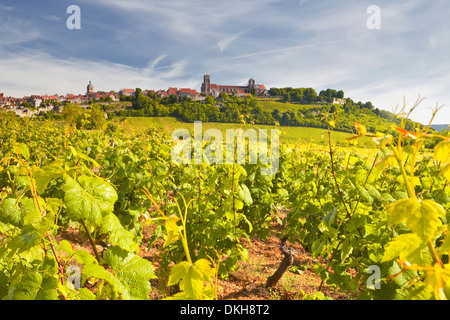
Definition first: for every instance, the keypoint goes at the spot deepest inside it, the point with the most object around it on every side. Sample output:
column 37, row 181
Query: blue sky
column 280, row 43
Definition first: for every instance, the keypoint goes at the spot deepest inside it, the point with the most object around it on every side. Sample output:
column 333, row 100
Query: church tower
column 251, row 84
column 90, row 88
column 206, row 86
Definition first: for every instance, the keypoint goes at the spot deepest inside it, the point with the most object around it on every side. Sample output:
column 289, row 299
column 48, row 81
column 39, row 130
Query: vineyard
column 374, row 221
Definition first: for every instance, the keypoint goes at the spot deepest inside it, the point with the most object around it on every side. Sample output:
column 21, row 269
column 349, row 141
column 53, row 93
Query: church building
column 214, row 89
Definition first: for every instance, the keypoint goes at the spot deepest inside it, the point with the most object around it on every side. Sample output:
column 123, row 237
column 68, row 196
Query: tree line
column 308, row 111
column 233, row 109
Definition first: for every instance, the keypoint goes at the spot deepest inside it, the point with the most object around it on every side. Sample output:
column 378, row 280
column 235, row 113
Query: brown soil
column 248, row 282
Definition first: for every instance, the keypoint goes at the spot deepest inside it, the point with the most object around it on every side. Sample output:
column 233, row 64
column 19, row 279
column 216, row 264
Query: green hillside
column 265, row 111
column 287, row 134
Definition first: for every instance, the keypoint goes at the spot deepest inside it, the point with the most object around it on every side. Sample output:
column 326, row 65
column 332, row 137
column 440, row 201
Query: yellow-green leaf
column 446, row 172
column 421, row 216
column 173, row 230
column 442, row 151
column 402, row 247
column 178, row 272
column 380, row 166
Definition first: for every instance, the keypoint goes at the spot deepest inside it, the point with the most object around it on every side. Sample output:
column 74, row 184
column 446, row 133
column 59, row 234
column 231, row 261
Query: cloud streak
column 154, row 44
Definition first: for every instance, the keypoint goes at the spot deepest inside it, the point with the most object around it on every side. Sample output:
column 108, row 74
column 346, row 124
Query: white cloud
column 303, row 43
column 228, row 40
column 31, row 73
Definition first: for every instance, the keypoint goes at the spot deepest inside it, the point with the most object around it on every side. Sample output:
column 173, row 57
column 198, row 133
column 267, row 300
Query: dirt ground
column 248, row 282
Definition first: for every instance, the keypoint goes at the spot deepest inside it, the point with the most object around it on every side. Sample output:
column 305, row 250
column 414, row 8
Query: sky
column 389, row 57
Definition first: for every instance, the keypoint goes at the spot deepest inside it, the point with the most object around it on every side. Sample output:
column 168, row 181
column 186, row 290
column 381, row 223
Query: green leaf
column 173, row 230
column 88, row 198
column 78, row 154
column 19, row 212
column 191, row 277
column 22, row 150
column 97, row 271
column 84, row 257
column 317, row 247
column 442, row 151
column 421, row 216
column 196, row 274
column 118, row 235
column 403, row 246
column 238, row 204
column 26, row 244
column 11, row 213
column 27, row 289
column 48, row 288
column 365, row 194
column 85, row 294
column 373, row 192
column 445, row 247
column 328, row 220
column 346, row 249
column 45, row 174
column 380, row 166
column 386, row 197
column 178, row 272
column 244, row 194
column 132, row 271
column 446, row 172
column 66, row 247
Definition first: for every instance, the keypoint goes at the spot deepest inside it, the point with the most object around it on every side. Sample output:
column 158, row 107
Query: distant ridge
column 440, row 127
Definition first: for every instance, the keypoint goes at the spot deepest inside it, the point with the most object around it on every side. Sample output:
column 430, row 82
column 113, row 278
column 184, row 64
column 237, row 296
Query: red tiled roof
column 172, row 91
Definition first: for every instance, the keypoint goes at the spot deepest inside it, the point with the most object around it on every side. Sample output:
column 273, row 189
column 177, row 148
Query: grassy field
column 288, row 135
column 271, row 104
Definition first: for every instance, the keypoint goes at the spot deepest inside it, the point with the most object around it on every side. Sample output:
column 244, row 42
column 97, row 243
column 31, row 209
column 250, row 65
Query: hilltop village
column 28, row 106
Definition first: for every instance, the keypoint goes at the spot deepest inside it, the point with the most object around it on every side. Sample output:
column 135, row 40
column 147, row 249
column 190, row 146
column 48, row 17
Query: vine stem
column 409, row 189
column 333, row 172
column 232, row 192
column 97, row 256
column 60, row 266
column 365, row 182
column 434, row 254
column 151, row 173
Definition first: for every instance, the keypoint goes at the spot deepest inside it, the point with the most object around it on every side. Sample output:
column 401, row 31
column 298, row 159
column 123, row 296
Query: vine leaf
column 191, row 277
column 405, row 247
column 88, row 198
column 26, row 244
column 442, row 151
column 118, row 235
column 446, row 172
column 45, row 174
column 133, row 272
column 421, row 216
column 27, row 289
column 18, row 212
column 173, row 230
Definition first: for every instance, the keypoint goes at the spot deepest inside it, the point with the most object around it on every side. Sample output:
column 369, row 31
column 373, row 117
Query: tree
column 310, row 95
column 26, row 104
column 97, row 117
column 70, row 112
column 209, row 100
